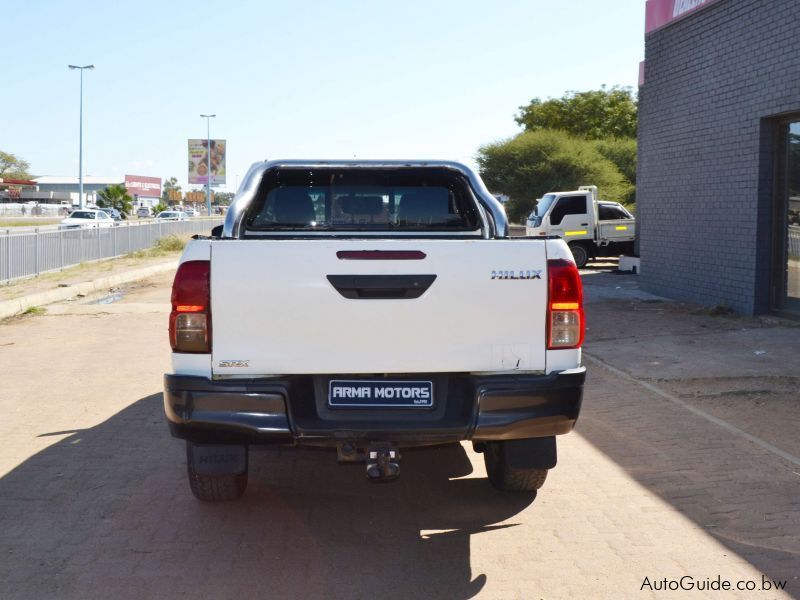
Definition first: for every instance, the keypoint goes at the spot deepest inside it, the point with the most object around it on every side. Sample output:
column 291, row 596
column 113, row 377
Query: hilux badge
column 530, row 274
column 228, row 364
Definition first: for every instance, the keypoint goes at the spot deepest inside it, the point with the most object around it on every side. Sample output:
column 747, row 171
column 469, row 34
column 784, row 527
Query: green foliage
column 223, row 198
column 621, row 152
column 581, row 138
column 169, row 184
column 536, row 162
column 171, row 243
column 165, row 246
column 595, row 114
column 13, row 167
column 115, row 196
column 160, row 207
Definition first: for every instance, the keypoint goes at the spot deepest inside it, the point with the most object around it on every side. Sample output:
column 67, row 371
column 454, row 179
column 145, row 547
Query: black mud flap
column 215, row 459
column 531, row 453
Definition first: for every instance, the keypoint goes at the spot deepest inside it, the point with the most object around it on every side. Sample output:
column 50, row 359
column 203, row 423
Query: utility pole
column 208, row 149
column 80, row 136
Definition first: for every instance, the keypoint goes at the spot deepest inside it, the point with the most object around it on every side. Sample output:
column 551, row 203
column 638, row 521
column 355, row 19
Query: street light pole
column 208, row 149
column 80, row 137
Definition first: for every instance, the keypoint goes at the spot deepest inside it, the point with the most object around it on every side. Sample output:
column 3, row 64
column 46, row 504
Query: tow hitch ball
column 383, row 463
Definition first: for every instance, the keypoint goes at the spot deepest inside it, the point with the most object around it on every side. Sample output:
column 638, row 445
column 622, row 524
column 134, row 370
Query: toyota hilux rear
column 369, row 307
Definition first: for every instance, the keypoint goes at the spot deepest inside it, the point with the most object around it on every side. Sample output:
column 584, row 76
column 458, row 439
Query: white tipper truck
column 366, row 307
column 591, row 227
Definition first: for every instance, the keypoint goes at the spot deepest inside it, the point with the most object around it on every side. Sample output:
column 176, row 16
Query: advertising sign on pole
column 199, row 161
column 149, row 187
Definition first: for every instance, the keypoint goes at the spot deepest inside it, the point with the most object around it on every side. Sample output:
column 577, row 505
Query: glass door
column 788, row 219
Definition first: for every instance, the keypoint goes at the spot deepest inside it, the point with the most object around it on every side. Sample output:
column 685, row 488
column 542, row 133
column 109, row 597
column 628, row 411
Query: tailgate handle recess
column 381, row 287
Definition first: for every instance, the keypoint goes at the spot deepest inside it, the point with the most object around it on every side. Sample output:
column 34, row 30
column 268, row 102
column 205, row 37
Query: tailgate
column 276, row 309
column 620, row 230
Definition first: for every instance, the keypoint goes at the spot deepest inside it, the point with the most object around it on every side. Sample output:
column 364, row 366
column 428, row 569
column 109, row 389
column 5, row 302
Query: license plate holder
column 365, row 393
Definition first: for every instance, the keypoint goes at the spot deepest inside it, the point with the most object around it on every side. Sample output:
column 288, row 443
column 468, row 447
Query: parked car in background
column 144, row 212
column 190, row 212
column 172, row 215
column 87, row 219
column 113, row 213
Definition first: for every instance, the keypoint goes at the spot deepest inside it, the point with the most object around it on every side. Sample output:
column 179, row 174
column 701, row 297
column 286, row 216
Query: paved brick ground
column 94, row 502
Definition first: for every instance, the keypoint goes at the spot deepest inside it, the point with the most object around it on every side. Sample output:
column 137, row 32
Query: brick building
column 718, row 183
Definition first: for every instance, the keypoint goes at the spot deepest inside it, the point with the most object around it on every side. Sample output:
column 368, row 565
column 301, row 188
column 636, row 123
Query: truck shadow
column 108, row 508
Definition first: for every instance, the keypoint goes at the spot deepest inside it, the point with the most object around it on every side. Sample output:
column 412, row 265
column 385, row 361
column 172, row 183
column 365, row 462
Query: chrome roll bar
column 492, row 212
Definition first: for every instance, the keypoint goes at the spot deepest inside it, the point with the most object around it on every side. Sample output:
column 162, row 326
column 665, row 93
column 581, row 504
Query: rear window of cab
column 362, row 200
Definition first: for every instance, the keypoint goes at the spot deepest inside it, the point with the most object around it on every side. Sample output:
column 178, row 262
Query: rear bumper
column 294, row 410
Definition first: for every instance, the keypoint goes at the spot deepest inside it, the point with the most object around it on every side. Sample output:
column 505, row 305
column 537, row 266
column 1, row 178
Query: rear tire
column 214, row 488
column 506, row 477
column 580, row 255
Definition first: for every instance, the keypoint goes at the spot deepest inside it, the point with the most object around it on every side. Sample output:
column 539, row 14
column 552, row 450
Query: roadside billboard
column 199, row 161
column 144, row 187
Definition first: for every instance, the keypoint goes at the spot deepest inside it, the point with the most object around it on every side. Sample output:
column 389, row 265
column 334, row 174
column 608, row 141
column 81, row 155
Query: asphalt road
column 94, row 502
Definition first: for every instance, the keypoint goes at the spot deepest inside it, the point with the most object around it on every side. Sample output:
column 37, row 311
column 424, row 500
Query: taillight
column 565, row 324
column 190, row 319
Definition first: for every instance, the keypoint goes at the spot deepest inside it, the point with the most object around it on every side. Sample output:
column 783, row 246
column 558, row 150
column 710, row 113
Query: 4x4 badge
column 229, row 364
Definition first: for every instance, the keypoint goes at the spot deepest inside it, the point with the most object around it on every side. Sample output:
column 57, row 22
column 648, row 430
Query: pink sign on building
column 659, row 13
column 147, row 187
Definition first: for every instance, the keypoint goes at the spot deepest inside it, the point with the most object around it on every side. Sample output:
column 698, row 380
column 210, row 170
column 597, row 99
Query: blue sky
column 295, row 80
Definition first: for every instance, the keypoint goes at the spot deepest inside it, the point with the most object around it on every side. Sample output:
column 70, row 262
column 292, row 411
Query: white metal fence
column 18, row 209
column 29, row 253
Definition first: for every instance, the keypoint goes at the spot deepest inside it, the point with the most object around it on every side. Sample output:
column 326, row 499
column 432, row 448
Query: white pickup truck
column 591, row 227
column 368, row 306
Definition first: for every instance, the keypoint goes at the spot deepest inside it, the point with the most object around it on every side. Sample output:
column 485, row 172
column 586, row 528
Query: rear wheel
column 214, row 488
column 504, row 476
column 580, row 255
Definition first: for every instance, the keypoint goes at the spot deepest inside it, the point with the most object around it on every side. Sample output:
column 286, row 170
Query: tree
column 595, row 114
column 536, row 162
column 621, row 152
column 160, row 207
column 223, row 198
column 13, row 167
column 116, row 196
column 170, row 184
column 593, row 137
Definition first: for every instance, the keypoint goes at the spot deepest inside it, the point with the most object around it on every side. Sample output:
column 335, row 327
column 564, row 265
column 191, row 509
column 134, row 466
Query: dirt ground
column 745, row 370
